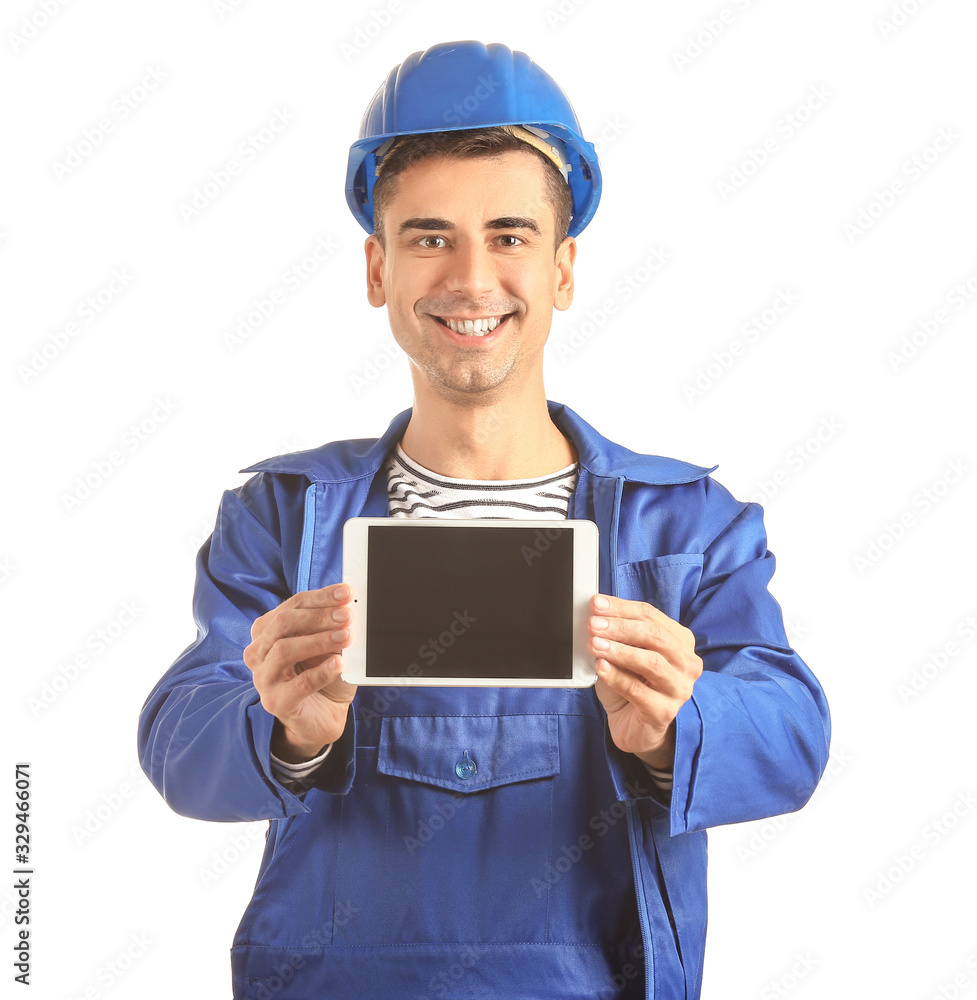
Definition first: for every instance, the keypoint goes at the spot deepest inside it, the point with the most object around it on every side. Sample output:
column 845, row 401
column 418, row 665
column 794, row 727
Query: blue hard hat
column 465, row 85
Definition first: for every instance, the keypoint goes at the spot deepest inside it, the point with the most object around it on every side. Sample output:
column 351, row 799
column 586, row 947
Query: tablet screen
column 470, row 602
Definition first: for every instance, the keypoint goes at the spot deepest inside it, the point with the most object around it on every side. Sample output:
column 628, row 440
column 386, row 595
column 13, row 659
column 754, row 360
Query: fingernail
column 341, row 636
column 341, row 593
column 601, row 603
column 600, row 623
column 601, row 644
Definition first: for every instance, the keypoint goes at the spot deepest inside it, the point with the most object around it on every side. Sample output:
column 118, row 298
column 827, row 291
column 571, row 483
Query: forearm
column 289, row 748
column 662, row 757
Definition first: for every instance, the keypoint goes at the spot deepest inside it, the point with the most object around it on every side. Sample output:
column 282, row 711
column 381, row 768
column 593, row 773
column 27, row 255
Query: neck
column 514, row 439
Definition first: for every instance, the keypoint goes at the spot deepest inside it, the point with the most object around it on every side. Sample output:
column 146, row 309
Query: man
column 578, row 868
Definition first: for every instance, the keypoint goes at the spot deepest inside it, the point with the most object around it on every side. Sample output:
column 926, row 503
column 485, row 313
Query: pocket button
column 466, row 767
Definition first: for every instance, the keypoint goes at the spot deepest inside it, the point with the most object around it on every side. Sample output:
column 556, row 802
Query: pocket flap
column 669, row 583
column 470, row 753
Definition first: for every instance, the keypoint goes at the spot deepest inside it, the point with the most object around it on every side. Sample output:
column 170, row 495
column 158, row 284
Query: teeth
column 473, row 327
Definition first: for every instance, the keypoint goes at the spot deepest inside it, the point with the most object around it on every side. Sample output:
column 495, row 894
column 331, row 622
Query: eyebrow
column 421, row 223
column 505, row 222
column 514, row 222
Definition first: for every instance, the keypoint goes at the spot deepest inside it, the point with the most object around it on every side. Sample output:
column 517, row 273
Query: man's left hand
column 646, row 667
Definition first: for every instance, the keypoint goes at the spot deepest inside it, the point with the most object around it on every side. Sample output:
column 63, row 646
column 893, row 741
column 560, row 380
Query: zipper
column 639, row 892
column 304, row 574
column 629, row 804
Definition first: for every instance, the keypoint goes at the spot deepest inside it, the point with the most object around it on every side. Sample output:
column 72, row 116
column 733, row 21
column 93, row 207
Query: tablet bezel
column 585, row 583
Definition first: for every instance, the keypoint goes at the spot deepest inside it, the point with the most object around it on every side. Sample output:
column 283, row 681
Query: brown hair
column 466, row 144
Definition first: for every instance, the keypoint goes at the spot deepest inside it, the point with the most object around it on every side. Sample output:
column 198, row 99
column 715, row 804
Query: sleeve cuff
column 296, row 775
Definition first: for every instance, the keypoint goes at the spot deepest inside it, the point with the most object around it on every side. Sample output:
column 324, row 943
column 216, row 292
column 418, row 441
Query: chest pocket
column 470, row 754
column 669, row 583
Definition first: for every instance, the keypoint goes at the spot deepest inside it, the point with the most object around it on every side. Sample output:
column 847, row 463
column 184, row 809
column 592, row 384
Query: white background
column 814, row 417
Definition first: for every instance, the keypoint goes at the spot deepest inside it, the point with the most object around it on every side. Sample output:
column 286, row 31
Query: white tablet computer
column 470, row 602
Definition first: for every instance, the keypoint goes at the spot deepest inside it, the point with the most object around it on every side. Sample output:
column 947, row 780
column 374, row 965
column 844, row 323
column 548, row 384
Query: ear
column 374, row 271
column 566, row 254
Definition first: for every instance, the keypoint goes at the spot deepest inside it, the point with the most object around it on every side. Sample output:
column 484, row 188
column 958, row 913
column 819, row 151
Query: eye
column 508, row 240
column 432, row 242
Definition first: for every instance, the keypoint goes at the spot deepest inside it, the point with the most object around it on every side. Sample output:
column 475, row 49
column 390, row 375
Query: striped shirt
column 414, row 491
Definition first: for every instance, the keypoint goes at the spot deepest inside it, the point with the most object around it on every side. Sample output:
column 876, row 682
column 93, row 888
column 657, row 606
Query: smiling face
column 469, row 275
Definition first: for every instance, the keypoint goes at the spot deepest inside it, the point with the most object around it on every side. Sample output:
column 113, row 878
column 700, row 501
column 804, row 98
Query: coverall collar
column 346, row 460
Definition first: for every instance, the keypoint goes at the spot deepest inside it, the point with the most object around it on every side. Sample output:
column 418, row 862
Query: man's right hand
column 295, row 659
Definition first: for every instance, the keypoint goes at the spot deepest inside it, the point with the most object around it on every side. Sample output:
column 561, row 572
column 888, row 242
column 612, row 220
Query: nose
column 471, row 269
